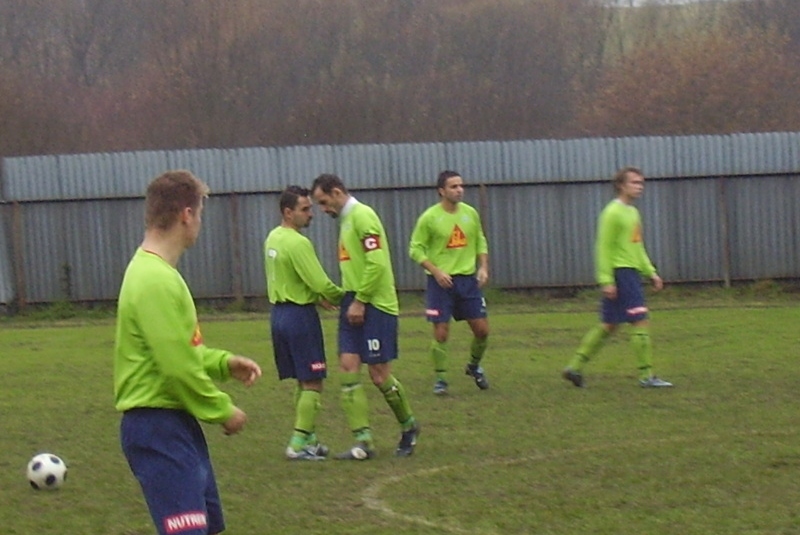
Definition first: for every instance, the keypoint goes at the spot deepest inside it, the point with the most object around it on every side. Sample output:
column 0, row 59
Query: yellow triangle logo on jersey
column 197, row 336
column 343, row 254
column 637, row 234
column 457, row 238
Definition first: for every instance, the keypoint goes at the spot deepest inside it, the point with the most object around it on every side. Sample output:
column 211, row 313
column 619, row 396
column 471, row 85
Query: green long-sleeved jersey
column 620, row 243
column 451, row 241
column 160, row 360
column 364, row 257
column 294, row 273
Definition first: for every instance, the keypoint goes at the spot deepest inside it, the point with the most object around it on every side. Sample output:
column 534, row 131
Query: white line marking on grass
column 372, row 500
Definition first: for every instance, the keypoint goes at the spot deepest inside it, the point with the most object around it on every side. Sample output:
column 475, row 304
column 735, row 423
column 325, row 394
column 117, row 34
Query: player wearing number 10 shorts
column 368, row 317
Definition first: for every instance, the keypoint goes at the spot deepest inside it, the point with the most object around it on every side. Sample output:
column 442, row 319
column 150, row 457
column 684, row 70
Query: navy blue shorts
column 375, row 341
column 464, row 301
column 297, row 342
column 629, row 306
column 167, row 452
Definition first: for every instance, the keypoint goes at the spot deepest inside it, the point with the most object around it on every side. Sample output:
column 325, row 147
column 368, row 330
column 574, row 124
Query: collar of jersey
column 352, row 201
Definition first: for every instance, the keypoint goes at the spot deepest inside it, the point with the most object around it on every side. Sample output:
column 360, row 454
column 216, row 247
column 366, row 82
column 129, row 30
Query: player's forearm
column 646, row 265
column 417, row 252
column 604, row 271
column 327, row 289
column 204, row 400
column 603, row 252
column 313, row 275
column 483, row 244
column 215, row 362
column 370, row 280
column 483, row 261
column 188, row 374
column 429, row 266
column 419, row 242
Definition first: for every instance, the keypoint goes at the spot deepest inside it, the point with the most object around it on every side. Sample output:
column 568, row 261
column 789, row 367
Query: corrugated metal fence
column 716, row 208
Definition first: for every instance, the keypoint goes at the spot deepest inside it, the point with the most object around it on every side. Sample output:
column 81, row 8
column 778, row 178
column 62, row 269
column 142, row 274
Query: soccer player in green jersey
column 448, row 242
column 163, row 372
column 367, row 317
column 620, row 262
column 296, row 283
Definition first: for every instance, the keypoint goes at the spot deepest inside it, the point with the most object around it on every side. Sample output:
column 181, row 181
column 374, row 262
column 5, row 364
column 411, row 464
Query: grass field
column 718, row 454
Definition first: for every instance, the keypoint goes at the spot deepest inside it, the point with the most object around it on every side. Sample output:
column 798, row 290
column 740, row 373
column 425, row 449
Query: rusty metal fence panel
column 716, row 208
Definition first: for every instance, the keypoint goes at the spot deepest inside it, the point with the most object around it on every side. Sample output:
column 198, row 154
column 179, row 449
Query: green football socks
column 590, row 345
column 477, row 349
column 643, row 349
column 297, row 391
column 356, row 409
column 306, row 408
column 439, row 358
column 395, row 396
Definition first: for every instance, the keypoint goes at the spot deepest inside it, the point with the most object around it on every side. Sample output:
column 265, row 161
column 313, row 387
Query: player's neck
column 168, row 245
column 449, row 207
column 625, row 199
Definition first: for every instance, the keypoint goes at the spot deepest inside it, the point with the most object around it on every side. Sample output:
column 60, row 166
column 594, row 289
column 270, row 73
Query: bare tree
column 714, row 83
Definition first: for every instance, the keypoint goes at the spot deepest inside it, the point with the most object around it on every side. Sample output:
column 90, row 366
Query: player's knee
column 314, row 384
column 349, row 362
column 480, row 329
column 379, row 373
column 610, row 327
column 441, row 332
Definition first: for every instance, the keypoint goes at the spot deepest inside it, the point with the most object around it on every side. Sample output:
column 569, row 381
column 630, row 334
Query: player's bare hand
column 483, row 276
column 236, row 422
column 327, row 305
column 244, row 369
column 658, row 284
column 610, row 291
column 442, row 279
column 355, row 313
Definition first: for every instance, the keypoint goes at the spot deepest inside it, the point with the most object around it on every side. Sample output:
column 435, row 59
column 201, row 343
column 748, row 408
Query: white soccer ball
column 46, row 472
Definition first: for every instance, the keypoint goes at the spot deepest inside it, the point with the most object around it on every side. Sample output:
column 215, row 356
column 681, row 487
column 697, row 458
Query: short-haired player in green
column 296, row 283
column 164, row 374
column 449, row 242
column 620, row 262
column 367, row 317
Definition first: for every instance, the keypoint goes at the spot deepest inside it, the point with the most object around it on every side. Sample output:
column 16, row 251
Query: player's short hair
column 326, row 182
column 290, row 196
column 444, row 176
column 169, row 194
column 622, row 175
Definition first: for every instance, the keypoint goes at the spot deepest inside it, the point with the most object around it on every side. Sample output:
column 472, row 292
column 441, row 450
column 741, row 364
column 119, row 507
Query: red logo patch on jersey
column 457, row 238
column 197, row 337
column 343, row 254
column 371, row 243
column 188, row 521
column 318, row 366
